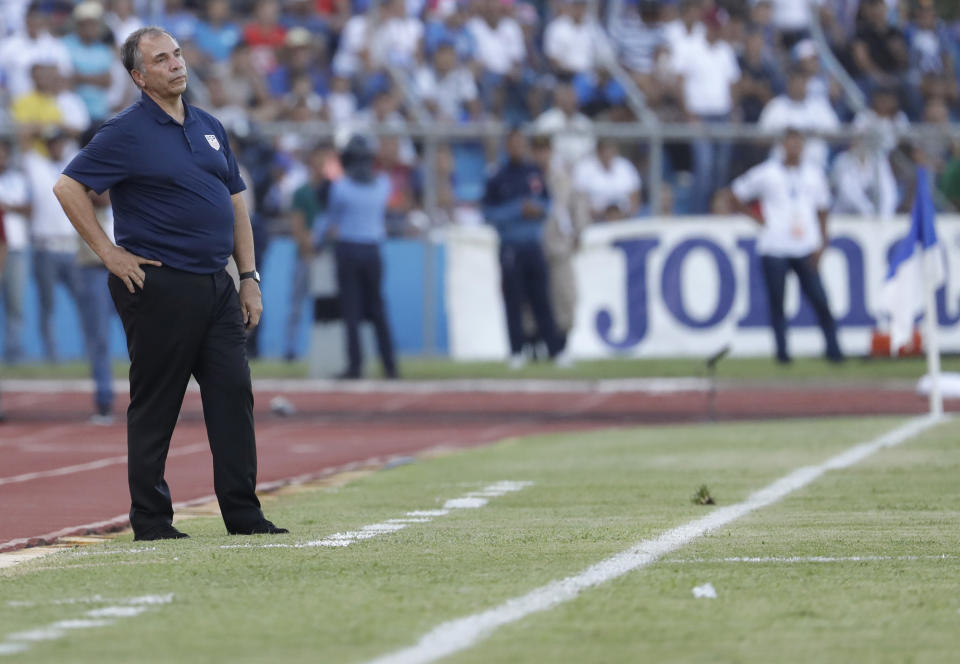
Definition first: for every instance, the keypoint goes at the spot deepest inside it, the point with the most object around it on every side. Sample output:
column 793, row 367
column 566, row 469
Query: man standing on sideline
column 178, row 214
column 356, row 222
column 794, row 199
column 569, row 216
column 54, row 240
column 517, row 204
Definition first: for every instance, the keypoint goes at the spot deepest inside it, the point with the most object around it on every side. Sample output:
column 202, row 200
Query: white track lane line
column 463, row 633
column 92, row 465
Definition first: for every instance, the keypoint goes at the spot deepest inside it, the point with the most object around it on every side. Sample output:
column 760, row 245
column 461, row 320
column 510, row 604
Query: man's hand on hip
column 126, row 266
column 250, row 302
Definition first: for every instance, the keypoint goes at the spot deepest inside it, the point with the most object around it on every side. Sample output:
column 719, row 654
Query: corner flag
column 916, row 269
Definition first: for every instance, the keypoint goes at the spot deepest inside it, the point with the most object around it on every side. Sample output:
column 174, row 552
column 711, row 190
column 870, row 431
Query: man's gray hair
column 130, row 53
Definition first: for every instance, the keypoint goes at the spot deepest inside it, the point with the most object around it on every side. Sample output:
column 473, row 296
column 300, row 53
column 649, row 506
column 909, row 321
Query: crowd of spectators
column 546, row 64
column 356, row 63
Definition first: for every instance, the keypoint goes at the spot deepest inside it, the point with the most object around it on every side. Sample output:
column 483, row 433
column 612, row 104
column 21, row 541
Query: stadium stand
column 285, row 75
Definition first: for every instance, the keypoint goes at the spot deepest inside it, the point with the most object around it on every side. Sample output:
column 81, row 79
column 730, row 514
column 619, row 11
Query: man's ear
column 137, row 78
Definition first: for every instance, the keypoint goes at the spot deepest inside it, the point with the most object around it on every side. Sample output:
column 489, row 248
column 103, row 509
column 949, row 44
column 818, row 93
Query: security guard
column 794, row 199
column 178, row 214
column 517, row 203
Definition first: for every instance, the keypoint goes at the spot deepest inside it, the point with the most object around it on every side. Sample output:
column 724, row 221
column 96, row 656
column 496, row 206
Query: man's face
column 164, row 70
column 88, row 30
column 542, row 154
column 517, row 146
column 797, row 87
column 876, row 14
column 566, row 98
column 445, row 59
column 218, row 10
column 793, row 146
column 578, row 11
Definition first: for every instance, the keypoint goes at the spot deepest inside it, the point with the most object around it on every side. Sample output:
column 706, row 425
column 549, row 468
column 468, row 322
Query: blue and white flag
column 915, row 263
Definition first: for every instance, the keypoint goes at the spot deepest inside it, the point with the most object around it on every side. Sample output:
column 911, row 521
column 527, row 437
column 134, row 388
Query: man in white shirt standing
column 54, row 238
column 573, row 41
column 794, row 201
column 15, row 205
column 710, row 73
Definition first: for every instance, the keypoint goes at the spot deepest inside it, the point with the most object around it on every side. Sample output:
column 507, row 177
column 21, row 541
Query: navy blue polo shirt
column 170, row 184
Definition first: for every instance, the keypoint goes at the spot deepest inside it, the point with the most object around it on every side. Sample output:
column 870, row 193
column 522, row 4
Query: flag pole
column 932, row 341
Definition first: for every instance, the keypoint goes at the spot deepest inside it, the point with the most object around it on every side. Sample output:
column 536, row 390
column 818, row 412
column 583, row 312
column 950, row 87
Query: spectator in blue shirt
column 300, row 58
column 516, row 203
column 356, row 222
column 92, row 59
column 216, row 36
column 175, row 189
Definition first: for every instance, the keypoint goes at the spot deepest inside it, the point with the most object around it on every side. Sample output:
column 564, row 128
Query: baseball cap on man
column 88, row 11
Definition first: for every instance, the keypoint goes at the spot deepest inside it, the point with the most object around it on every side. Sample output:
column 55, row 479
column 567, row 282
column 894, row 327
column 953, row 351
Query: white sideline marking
column 465, row 503
column 807, row 559
column 460, row 634
column 19, row 642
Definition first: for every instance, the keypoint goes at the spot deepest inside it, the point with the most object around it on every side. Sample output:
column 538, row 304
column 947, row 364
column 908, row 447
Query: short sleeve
column 234, row 182
column 749, row 186
column 105, row 160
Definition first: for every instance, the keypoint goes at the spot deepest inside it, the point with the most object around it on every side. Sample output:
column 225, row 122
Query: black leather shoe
column 160, row 533
column 263, row 528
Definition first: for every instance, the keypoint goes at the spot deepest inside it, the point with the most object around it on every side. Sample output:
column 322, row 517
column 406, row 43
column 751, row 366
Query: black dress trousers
column 182, row 324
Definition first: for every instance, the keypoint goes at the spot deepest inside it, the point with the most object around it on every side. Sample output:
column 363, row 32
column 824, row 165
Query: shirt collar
column 161, row 115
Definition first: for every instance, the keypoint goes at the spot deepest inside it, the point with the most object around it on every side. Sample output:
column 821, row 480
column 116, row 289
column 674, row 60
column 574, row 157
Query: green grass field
column 443, row 369
column 593, row 495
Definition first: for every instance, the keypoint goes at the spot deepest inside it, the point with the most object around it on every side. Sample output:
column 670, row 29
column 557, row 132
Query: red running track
column 60, row 475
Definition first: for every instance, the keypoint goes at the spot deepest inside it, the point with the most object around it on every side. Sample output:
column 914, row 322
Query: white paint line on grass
column 805, row 559
column 463, row 633
column 19, row 642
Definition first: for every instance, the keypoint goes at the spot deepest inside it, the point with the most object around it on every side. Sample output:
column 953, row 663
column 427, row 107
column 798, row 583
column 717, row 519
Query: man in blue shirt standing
column 175, row 191
column 356, row 220
column 517, row 203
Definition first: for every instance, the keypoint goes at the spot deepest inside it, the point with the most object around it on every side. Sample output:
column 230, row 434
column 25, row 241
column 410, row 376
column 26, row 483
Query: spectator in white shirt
column 448, row 89
column 341, row 102
column 610, row 182
column 687, row 31
column 34, row 43
column 798, row 110
column 710, row 73
column 571, row 131
column 499, row 39
column 54, row 238
column 396, row 40
column 573, row 41
column 794, row 202
column 792, row 19
column 884, row 119
column 15, row 205
column 122, row 20
column 864, row 183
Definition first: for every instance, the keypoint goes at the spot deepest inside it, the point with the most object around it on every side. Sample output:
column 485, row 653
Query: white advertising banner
column 688, row 287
